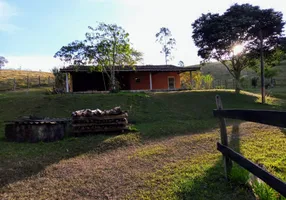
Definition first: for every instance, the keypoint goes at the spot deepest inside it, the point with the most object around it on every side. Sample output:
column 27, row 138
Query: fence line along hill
column 17, row 79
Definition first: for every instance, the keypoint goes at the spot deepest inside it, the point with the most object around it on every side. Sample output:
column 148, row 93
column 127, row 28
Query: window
column 137, row 80
column 171, row 82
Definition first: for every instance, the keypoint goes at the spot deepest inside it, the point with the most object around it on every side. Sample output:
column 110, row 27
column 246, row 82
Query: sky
column 32, row 31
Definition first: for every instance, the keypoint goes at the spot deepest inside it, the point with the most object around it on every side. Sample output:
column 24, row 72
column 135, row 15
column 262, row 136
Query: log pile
column 98, row 121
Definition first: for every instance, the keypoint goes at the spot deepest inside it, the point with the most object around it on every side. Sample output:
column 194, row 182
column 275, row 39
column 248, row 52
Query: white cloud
column 33, row 62
column 6, row 12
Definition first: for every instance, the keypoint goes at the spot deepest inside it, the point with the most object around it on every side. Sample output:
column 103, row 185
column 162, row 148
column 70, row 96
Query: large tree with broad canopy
column 233, row 38
column 106, row 47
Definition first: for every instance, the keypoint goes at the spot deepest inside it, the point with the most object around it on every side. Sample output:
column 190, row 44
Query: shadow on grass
column 214, row 185
column 157, row 116
column 28, row 159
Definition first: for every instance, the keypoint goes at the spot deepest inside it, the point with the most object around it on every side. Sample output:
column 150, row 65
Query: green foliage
column 3, row 61
column 282, row 45
column 217, row 35
column 164, row 37
column 272, row 59
column 59, row 78
column 208, row 80
column 198, row 80
column 263, row 191
column 254, row 82
column 239, row 175
column 106, row 47
column 181, row 63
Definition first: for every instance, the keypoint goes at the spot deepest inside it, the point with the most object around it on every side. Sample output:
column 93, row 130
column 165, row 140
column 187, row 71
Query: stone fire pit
column 36, row 130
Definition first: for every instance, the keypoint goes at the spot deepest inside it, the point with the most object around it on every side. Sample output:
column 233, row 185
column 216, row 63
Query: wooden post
column 223, row 137
column 39, row 81
column 14, row 84
column 191, row 79
column 150, row 79
column 67, row 82
column 49, row 80
column 27, row 83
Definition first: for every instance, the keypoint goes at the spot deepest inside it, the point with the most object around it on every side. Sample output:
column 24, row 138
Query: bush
column 198, row 80
column 254, row 82
column 59, row 78
column 208, row 80
column 239, row 175
column 263, row 191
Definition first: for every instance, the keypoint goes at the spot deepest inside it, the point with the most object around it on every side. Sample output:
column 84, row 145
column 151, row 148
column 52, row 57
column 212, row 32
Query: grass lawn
column 7, row 79
column 172, row 156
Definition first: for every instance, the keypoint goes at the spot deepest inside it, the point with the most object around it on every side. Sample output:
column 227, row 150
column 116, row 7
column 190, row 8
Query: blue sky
column 31, row 31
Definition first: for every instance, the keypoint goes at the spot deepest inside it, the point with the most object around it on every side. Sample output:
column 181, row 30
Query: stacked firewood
column 98, row 121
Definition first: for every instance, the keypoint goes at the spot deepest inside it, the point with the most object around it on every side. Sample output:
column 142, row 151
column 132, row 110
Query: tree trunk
column 237, row 83
column 113, row 87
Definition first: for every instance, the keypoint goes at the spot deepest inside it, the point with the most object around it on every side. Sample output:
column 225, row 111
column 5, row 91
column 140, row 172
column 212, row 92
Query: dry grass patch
column 7, row 78
column 173, row 168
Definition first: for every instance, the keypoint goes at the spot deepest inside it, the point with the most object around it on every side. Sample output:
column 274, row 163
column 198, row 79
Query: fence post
column 14, row 84
column 27, row 83
column 223, row 137
column 39, row 81
column 49, row 80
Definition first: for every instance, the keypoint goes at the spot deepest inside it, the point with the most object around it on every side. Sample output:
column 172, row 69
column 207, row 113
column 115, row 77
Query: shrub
column 254, row 82
column 263, row 191
column 239, row 175
column 208, row 80
column 59, row 78
column 198, row 80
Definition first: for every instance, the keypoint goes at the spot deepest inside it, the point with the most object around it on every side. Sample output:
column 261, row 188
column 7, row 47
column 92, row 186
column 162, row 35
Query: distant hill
column 7, row 78
column 219, row 71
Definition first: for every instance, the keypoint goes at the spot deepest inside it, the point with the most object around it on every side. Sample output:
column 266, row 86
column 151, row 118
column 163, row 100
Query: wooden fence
column 275, row 118
column 230, row 84
column 26, row 82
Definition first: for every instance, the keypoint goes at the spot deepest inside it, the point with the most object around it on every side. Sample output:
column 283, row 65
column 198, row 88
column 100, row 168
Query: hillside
column 219, row 71
column 281, row 78
column 7, row 79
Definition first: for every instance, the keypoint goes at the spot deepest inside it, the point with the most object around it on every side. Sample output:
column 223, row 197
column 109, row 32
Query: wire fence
column 231, row 84
column 26, row 82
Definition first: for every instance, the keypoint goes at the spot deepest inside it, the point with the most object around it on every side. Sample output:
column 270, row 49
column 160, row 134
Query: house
column 139, row 77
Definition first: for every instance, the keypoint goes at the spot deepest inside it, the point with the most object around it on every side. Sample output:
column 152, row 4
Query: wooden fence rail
column 275, row 118
column 268, row 178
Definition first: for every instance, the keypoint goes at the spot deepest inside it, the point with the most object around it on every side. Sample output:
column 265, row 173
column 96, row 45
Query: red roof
column 139, row 68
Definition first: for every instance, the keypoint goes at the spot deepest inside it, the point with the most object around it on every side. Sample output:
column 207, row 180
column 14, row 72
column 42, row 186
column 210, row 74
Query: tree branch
column 227, row 67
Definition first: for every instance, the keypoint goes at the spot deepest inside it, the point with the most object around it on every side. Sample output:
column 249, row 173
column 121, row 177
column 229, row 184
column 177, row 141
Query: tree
column 272, row 59
column 181, row 63
column 59, row 78
column 282, row 45
column 164, row 37
column 107, row 46
column 235, row 41
column 3, row 61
